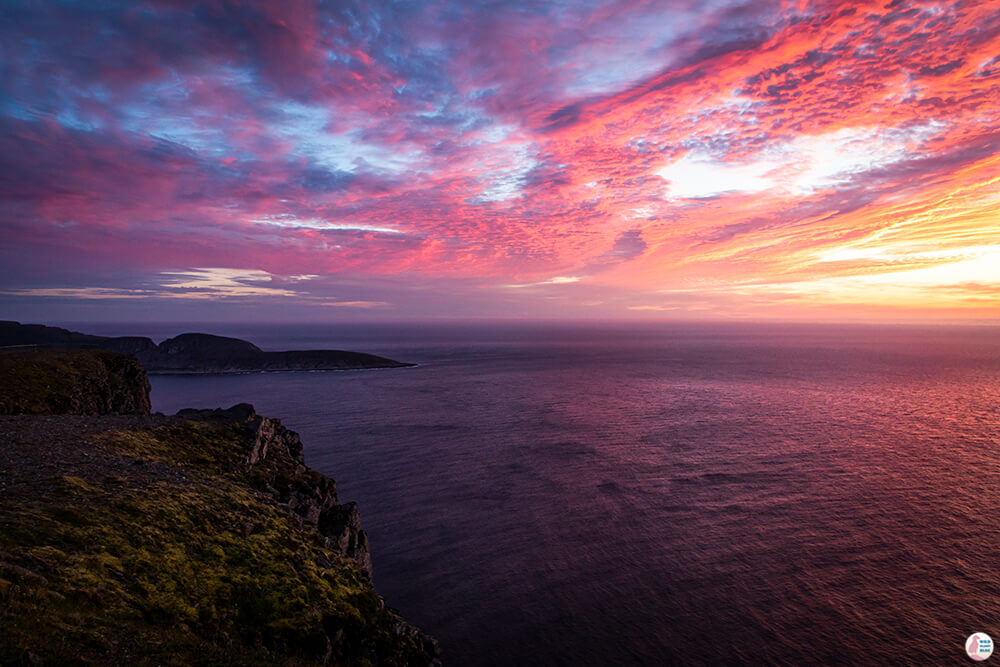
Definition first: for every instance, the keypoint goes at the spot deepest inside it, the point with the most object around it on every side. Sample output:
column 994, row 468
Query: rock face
column 275, row 464
column 128, row 387
column 81, row 382
column 194, row 352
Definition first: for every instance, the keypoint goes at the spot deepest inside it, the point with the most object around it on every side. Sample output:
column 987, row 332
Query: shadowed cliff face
column 83, row 382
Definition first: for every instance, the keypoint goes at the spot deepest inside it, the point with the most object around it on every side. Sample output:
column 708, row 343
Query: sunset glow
column 789, row 160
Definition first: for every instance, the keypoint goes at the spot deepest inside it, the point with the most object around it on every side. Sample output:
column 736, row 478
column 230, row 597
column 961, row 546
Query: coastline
column 189, row 353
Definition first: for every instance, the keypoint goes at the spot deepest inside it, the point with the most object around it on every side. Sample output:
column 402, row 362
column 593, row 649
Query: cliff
column 87, row 382
column 272, row 460
column 200, row 538
column 194, row 352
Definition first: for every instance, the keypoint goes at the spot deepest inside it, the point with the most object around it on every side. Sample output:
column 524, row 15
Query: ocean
column 658, row 494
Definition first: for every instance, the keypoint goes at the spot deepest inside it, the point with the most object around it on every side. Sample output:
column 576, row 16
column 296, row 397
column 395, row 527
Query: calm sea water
column 660, row 495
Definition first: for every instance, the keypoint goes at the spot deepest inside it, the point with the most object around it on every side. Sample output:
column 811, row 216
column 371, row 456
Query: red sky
column 607, row 160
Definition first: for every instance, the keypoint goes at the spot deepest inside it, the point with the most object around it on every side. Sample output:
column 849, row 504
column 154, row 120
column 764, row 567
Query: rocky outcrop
column 81, row 382
column 274, row 463
column 340, row 526
column 125, row 388
column 194, row 352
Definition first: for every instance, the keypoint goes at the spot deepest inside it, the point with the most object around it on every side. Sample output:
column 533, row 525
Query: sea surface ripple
column 661, row 494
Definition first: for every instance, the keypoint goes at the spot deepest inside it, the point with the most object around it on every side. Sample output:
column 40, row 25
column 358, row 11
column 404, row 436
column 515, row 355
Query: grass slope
column 154, row 548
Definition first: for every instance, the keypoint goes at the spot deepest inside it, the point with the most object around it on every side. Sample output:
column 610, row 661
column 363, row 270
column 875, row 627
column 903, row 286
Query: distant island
column 191, row 352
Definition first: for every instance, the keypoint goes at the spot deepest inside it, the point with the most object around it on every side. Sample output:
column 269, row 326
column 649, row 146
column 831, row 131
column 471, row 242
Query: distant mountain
column 15, row 333
column 192, row 352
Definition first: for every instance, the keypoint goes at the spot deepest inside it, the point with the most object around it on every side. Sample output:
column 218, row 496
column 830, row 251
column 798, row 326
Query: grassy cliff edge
column 195, row 539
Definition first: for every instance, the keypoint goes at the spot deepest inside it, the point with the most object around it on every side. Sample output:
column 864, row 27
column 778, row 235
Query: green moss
column 166, row 573
column 207, row 447
column 77, row 486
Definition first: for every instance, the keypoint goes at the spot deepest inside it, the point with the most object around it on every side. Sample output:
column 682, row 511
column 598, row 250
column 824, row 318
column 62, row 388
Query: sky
column 602, row 159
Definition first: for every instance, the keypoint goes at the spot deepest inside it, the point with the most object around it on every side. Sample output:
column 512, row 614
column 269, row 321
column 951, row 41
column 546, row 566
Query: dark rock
column 341, row 526
column 241, row 412
column 128, row 386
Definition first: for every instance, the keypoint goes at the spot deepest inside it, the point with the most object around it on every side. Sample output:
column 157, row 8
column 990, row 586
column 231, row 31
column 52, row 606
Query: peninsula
column 192, row 352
